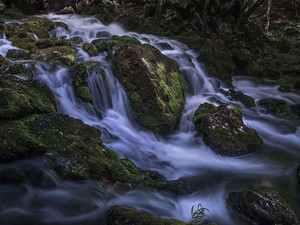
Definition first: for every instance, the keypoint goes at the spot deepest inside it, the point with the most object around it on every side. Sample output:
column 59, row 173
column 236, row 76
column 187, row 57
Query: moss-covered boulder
column 153, row 84
column 73, row 149
column 11, row 68
column 114, row 43
column 261, row 207
column 24, row 35
column 76, row 40
column 122, row 215
column 79, row 75
column 240, row 96
column 91, row 49
column 15, row 54
column 62, row 54
column 218, row 65
column 223, row 130
column 20, row 98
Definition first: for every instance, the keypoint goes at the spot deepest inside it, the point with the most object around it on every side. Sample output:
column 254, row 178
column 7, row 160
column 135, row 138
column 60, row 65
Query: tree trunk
column 268, row 15
column 157, row 13
column 243, row 18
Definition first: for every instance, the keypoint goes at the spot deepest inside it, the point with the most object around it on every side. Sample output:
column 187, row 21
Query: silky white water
column 180, row 155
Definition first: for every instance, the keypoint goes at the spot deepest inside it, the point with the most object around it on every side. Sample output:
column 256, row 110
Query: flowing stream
column 180, row 155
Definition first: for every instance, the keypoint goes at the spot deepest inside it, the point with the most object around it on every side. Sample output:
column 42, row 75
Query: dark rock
column 218, row 65
column 245, row 99
column 79, row 75
column 76, row 40
column 261, row 207
column 11, row 176
column 284, row 88
column 122, row 215
column 103, row 35
column 273, row 105
column 14, row 54
column 153, row 84
column 66, row 10
column 223, row 130
column 20, row 98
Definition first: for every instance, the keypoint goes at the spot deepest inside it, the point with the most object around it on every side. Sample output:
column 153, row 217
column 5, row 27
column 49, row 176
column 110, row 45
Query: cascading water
column 180, row 155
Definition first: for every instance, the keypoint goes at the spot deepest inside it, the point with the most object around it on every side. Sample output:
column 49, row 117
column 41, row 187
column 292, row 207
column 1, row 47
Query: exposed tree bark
column 157, row 13
column 268, row 15
column 245, row 15
column 205, row 9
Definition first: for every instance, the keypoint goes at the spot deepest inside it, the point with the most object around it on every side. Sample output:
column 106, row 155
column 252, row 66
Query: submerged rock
column 153, row 84
column 261, row 207
column 280, row 108
column 223, row 130
column 122, row 215
column 79, row 75
column 20, row 98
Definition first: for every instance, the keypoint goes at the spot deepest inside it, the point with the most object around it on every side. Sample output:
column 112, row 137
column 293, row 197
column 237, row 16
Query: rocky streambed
column 94, row 116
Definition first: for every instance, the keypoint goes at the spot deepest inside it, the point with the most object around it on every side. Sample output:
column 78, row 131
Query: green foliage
column 198, row 213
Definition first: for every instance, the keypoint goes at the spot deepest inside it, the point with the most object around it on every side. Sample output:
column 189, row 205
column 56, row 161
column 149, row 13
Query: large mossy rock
column 261, row 208
column 74, row 150
column 79, row 75
column 62, row 54
column 223, row 130
column 153, row 84
column 122, row 215
column 20, row 98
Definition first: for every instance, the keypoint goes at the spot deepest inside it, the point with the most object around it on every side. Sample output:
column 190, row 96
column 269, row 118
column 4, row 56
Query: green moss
column 76, row 40
column 245, row 99
column 20, row 98
column 45, row 43
column 79, row 75
column 155, row 88
column 224, row 131
column 91, row 49
column 122, row 215
column 63, row 54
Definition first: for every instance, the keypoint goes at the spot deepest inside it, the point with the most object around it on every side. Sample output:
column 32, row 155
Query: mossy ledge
column 122, row 215
column 153, row 84
column 223, row 130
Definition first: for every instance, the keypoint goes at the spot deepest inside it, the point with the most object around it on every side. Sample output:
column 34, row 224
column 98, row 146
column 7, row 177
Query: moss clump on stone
column 91, row 49
column 240, row 96
column 261, row 207
column 114, row 43
column 20, row 98
column 122, row 215
column 224, row 131
column 11, row 68
column 153, row 84
column 76, row 40
column 15, row 54
column 79, row 75
column 63, row 54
